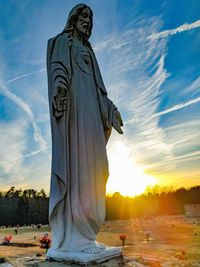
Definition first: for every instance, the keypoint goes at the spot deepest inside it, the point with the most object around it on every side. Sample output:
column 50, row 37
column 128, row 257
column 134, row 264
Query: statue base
column 83, row 258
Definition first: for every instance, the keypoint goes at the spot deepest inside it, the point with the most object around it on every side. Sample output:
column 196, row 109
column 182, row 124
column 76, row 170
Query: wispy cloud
column 26, row 108
column 43, row 117
column 177, row 107
column 182, row 28
column 15, row 168
column 189, row 155
column 185, row 139
column 25, row 75
column 135, row 84
column 193, row 88
column 136, row 75
column 13, row 144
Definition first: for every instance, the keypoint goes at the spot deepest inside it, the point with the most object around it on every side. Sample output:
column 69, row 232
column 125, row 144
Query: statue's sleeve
column 113, row 117
column 60, row 64
column 107, row 112
column 59, row 71
column 111, row 109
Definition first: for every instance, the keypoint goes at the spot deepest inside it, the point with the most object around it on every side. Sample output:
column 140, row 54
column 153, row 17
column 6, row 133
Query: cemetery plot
column 152, row 241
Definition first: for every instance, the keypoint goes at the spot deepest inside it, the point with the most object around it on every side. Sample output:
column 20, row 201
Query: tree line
column 155, row 201
column 23, row 207
column 26, row 207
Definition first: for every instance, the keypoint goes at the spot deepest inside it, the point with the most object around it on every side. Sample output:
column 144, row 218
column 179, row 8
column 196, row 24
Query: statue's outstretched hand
column 60, row 101
column 117, row 122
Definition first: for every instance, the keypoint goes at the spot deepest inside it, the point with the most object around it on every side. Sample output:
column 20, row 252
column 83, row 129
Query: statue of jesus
column 82, row 117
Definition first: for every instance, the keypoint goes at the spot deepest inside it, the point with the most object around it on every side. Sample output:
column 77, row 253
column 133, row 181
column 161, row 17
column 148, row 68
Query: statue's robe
column 79, row 137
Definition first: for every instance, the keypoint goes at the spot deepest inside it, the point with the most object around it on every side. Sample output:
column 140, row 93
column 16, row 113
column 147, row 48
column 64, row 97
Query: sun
column 126, row 177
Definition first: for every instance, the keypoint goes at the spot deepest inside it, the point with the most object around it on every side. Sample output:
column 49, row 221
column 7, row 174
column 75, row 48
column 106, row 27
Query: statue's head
column 80, row 19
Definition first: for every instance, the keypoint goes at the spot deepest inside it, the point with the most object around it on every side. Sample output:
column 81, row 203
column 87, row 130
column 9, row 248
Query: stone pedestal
column 83, row 258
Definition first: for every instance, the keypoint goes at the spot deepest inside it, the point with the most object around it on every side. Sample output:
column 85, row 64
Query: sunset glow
column 126, row 176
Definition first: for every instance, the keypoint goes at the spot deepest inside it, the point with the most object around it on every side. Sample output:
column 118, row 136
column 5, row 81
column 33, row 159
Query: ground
column 174, row 241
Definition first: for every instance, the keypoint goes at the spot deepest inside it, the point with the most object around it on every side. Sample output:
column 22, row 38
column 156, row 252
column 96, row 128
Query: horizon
column 154, row 190
column 155, row 87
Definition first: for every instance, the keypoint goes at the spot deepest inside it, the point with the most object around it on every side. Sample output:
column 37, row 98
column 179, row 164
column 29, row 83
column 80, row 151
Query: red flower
column 45, row 242
column 123, row 238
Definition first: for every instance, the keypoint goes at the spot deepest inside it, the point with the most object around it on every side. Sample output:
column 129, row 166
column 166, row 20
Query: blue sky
column 149, row 56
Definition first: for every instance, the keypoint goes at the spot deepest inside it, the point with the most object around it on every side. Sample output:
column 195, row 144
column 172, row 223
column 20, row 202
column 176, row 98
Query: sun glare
column 126, row 177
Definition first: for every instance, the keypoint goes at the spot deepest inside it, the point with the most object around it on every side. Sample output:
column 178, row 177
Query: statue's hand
column 117, row 122
column 60, row 100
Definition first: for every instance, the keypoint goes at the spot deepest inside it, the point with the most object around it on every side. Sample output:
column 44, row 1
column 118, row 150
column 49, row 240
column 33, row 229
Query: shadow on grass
column 20, row 245
column 2, row 259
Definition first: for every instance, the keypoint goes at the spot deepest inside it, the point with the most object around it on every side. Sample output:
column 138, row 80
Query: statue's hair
column 73, row 16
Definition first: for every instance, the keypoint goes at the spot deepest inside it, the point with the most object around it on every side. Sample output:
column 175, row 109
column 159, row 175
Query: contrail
column 184, row 27
column 25, row 75
column 24, row 156
column 177, row 107
column 192, row 154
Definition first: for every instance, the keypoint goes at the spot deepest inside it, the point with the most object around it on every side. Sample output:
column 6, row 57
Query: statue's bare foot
column 95, row 249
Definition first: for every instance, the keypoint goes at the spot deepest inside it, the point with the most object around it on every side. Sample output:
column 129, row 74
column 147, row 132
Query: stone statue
column 82, row 117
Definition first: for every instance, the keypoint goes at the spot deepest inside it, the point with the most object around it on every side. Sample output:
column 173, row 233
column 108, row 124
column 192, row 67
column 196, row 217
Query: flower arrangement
column 6, row 240
column 123, row 239
column 181, row 255
column 45, row 242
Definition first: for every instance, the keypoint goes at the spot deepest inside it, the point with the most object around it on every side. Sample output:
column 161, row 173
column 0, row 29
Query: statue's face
column 83, row 24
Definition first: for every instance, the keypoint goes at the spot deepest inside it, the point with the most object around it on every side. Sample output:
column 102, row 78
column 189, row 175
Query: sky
column 149, row 56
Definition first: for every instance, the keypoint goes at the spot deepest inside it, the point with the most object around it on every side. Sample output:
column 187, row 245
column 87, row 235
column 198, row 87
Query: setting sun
column 126, row 177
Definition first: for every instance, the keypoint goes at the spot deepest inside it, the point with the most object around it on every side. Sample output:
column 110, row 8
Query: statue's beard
column 85, row 33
